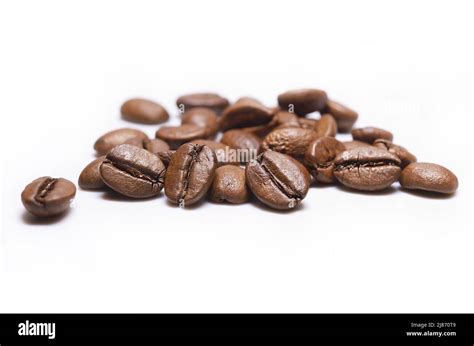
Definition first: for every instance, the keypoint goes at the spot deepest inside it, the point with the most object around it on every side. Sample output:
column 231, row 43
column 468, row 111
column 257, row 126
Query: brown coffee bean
column 345, row 117
column 144, row 111
column 229, row 185
column 310, row 124
column 281, row 119
column 46, row 196
column 246, row 112
column 165, row 156
column 239, row 139
column 428, row 177
column 136, row 142
column 293, row 141
column 113, row 138
column 320, row 157
column 404, row 155
column 190, row 174
column 326, row 126
column 156, row 145
column 303, row 101
column 203, row 117
column 133, row 172
column 90, row 179
column 355, row 144
column 278, row 180
column 208, row 100
column 370, row 134
column 175, row 136
column 221, row 150
column 367, row 168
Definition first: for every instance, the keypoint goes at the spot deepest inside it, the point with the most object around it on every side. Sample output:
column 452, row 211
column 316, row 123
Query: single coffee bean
column 136, row 142
column 370, row 134
column 428, row 177
column 165, row 156
column 277, row 180
column 144, row 111
column 46, row 196
column 113, row 138
column 326, row 126
column 306, row 123
column 345, row 117
column 175, row 136
column 133, row 172
column 293, row 141
column 223, row 152
column 403, row 154
column 190, row 174
column 367, row 168
column 90, row 179
column 208, row 100
column 229, row 185
column 156, row 145
column 246, row 112
column 320, row 157
column 303, row 101
column 203, row 117
column 355, row 144
column 239, row 139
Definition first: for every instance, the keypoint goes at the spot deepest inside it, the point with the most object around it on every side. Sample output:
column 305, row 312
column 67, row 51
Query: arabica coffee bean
column 370, row 134
column 326, row 126
column 190, row 174
column 113, row 138
column 428, row 177
column 223, row 152
column 203, row 117
column 137, row 142
column 165, row 156
column 48, row 196
column 306, row 123
column 246, row 112
column 239, row 139
column 229, row 185
column 156, row 145
column 355, row 144
column 403, row 154
column 303, row 101
column 293, row 141
column 345, row 117
column 367, row 168
column 144, row 111
column 320, row 157
column 90, row 179
column 175, row 136
column 207, row 100
column 278, row 180
column 133, row 172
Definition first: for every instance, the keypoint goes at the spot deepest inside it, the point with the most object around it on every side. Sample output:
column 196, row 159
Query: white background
column 66, row 67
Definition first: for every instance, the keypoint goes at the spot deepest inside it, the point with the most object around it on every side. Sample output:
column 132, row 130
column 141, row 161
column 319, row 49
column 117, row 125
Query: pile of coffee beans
column 272, row 153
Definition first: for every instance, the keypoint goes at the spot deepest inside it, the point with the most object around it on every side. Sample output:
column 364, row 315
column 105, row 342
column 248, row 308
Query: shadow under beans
column 427, row 194
column 385, row 192
column 32, row 220
column 113, row 196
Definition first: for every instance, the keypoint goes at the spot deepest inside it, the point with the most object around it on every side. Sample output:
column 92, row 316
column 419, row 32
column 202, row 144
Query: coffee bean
column 144, row 111
column 370, row 134
column 310, row 124
column 165, row 156
column 326, row 126
column 229, row 185
column 239, row 139
column 90, row 179
column 355, row 144
column 113, row 138
column 221, row 150
column 46, row 196
column 345, row 117
column 156, row 145
column 367, row 168
column 133, row 172
column 281, row 119
column 428, row 177
column 320, row 157
column 208, row 100
column 190, row 174
column 246, row 112
column 403, row 154
column 175, row 136
column 293, row 141
column 203, row 117
column 136, row 142
column 303, row 101
column 278, row 180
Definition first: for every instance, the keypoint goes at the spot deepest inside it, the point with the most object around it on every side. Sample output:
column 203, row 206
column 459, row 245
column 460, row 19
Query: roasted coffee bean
column 229, row 185
column 175, row 136
column 144, row 111
column 345, row 117
column 133, row 172
column 355, row 144
column 190, row 174
column 113, row 138
column 367, row 168
column 277, row 180
column 281, row 119
column 303, row 101
column 48, row 196
column 165, row 156
column 208, row 100
column 428, row 177
column 90, row 179
column 203, row 117
column 310, row 124
column 222, row 151
column 326, row 126
column 370, row 134
column 293, row 141
column 403, row 154
column 156, row 145
column 320, row 157
column 239, row 139
column 246, row 112
column 136, row 142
